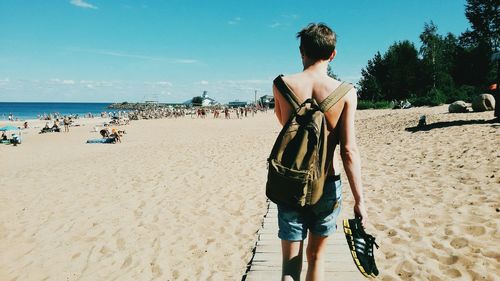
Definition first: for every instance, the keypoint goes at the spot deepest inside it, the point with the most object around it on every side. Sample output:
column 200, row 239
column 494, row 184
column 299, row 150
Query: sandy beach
column 182, row 199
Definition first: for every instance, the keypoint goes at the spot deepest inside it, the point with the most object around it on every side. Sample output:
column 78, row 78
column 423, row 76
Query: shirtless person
column 317, row 47
column 66, row 124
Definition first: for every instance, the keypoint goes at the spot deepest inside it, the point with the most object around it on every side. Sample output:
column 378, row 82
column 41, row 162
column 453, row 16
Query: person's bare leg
column 316, row 248
column 292, row 260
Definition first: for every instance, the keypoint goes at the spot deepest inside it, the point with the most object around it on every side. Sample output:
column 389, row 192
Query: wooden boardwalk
column 266, row 262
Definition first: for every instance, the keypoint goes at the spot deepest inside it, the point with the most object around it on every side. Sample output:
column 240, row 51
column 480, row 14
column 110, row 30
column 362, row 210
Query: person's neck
column 318, row 67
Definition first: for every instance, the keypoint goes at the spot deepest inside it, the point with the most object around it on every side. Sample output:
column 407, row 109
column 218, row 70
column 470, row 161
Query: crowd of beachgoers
column 194, row 112
column 57, row 122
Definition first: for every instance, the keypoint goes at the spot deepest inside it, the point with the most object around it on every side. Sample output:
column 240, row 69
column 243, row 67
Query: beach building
column 267, row 101
column 204, row 100
column 151, row 102
column 237, row 103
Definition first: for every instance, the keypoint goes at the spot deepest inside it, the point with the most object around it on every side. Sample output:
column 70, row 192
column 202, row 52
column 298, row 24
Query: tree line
column 445, row 68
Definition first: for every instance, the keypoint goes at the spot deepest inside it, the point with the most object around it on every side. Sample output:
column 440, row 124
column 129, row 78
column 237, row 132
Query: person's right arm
column 277, row 109
column 350, row 153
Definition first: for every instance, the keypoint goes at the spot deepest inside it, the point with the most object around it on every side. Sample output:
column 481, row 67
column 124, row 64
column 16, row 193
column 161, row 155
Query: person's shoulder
column 334, row 83
column 351, row 97
column 288, row 78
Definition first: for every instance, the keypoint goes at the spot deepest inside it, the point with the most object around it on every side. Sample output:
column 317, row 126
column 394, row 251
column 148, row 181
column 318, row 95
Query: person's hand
column 359, row 211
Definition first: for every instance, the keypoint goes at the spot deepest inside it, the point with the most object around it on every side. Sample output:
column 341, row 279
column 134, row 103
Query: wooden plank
column 276, row 275
column 266, row 262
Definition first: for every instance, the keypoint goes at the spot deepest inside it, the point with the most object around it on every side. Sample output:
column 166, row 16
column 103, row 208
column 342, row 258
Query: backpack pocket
column 286, row 186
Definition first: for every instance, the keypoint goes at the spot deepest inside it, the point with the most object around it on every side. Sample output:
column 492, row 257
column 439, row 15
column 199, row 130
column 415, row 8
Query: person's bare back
column 319, row 86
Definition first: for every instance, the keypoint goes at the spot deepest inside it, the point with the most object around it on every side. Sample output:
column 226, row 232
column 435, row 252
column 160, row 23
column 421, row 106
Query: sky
column 173, row 50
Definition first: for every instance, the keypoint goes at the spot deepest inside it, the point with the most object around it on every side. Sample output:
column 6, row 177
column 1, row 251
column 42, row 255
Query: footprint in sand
column 448, row 260
column 390, row 255
column 127, row 262
column 406, row 270
column 449, row 230
column 458, row 243
column 392, row 233
column 120, row 243
column 388, row 278
column 453, row 273
column 175, row 274
column 138, row 211
column 475, row 230
column 437, row 244
column 104, row 250
column 156, row 270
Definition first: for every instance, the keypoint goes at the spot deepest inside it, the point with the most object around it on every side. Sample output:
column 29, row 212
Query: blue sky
column 172, row 50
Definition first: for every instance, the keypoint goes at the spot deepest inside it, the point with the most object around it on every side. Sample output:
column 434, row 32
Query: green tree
column 438, row 54
column 473, row 66
column 431, row 46
column 402, row 71
column 372, row 77
column 484, row 17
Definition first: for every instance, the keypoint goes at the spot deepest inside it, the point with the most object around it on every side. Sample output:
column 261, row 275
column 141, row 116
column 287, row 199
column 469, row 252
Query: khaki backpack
column 297, row 163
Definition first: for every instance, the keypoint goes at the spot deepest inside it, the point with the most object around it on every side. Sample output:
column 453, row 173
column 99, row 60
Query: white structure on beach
column 207, row 101
column 204, row 100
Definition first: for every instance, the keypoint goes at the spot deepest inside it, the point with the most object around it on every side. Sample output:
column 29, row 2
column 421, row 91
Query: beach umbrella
column 9, row 128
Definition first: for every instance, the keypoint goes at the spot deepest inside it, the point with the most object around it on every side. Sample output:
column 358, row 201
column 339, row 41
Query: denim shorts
column 321, row 219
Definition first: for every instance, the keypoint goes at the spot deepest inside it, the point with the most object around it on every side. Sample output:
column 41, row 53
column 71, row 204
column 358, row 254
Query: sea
column 34, row 110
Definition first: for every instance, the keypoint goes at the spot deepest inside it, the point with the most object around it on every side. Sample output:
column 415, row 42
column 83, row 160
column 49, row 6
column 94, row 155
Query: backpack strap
column 286, row 92
column 335, row 96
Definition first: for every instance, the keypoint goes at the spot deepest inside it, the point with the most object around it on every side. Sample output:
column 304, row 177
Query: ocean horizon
column 34, row 110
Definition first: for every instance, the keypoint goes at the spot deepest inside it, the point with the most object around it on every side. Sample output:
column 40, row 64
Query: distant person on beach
column 317, row 48
column 104, row 133
column 66, row 124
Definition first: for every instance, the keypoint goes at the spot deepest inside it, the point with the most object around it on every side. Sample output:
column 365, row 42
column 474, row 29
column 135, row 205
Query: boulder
column 457, row 107
column 483, row 102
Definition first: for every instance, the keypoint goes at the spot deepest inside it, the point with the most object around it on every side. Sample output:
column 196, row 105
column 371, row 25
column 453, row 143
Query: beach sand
column 182, row 199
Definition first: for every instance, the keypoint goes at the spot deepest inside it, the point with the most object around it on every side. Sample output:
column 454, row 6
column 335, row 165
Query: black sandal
column 361, row 245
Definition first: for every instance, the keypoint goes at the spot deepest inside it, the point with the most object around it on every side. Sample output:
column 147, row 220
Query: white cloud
column 275, row 24
column 57, row 81
column 284, row 20
column 164, row 83
column 134, row 56
column 82, row 4
column 234, row 21
column 71, row 89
